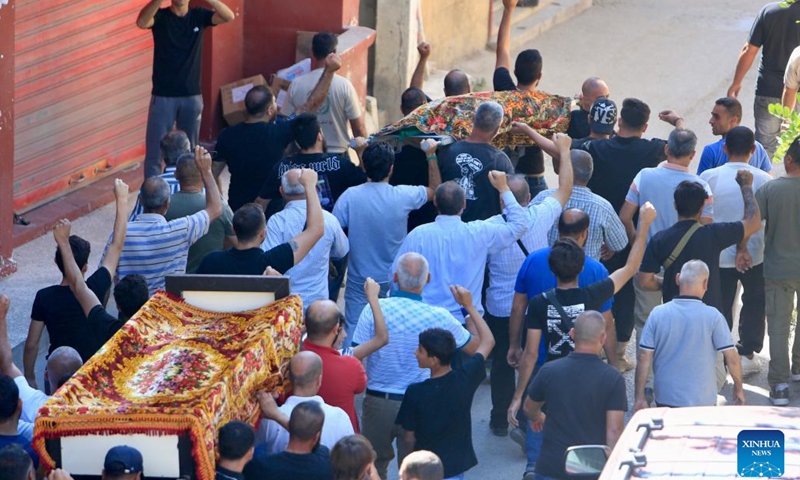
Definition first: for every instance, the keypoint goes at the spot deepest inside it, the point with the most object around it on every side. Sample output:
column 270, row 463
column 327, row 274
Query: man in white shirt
column 457, row 251
column 503, row 268
column 305, row 371
column 341, row 106
column 734, row 264
column 309, row 278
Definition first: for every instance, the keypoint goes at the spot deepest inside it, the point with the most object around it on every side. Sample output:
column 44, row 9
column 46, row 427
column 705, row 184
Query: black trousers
column 502, row 379
column 623, row 300
column 752, row 320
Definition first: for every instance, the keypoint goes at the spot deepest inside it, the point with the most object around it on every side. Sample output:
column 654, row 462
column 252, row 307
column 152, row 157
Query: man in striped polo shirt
column 154, row 247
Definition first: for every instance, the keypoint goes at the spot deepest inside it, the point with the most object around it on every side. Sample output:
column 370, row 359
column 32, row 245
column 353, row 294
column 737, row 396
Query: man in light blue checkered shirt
column 605, row 227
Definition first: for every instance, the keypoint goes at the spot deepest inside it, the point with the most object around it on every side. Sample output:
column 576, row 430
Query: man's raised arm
column 333, row 62
column 213, row 200
column 111, row 258
column 621, row 276
column 503, row 54
column 222, row 12
column 418, row 78
column 146, row 17
column 315, row 223
column 85, row 296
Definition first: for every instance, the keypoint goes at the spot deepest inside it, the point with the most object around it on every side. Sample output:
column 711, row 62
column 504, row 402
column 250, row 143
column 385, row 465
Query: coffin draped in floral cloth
column 453, row 116
column 174, row 369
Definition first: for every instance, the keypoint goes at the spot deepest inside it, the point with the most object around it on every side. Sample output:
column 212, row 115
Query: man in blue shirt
column 726, row 114
column 535, row 278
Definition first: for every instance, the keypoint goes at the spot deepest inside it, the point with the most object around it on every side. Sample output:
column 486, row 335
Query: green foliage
column 787, row 3
column 791, row 122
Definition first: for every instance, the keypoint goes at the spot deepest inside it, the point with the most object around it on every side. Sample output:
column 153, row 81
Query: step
column 527, row 22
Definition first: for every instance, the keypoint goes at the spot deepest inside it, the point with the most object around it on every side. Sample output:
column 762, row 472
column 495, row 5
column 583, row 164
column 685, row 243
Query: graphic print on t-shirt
column 326, row 164
column 469, row 166
column 559, row 343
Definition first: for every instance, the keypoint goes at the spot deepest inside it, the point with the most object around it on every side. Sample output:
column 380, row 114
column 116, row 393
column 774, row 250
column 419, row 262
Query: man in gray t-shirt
column 375, row 215
column 681, row 340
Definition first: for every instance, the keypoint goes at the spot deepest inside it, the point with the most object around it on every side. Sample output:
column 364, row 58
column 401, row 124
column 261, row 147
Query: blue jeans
column 533, row 440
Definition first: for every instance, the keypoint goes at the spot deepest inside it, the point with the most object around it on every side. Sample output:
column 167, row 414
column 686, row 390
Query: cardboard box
column 233, row 95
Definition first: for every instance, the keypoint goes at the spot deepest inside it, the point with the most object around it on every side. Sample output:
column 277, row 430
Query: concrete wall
column 455, row 29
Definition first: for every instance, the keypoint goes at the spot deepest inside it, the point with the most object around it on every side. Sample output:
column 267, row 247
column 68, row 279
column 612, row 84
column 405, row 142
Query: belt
column 388, row 396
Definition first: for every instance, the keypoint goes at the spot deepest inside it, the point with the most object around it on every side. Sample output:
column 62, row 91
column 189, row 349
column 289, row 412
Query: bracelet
column 431, row 157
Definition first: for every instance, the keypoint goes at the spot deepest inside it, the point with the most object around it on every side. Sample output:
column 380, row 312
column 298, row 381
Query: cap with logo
column 123, row 460
column 603, row 116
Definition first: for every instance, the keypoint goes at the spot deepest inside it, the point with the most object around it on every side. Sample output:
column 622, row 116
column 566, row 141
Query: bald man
column 564, row 385
column 305, row 372
column 421, row 465
column 592, row 89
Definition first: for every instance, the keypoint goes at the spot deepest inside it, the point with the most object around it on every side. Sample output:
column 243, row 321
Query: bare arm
column 434, row 174
column 358, row 126
column 262, row 202
column 615, row 423
column 672, row 117
column 626, row 214
column 649, row 281
column 315, row 224
column 610, row 347
column 564, row 191
column 533, row 410
column 418, row 78
column 77, row 284
column 734, row 364
column 503, row 54
column 518, row 307
column 111, row 259
column 333, row 63
column 746, row 57
column 381, row 338
column 410, row 440
column 540, row 140
column 643, row 363
column 752, row 215
column 485, row 338
column 789, row 98
column 213, row 200
column 526, row 366
column 222, row 13
column 32, row 351
column 270, row 410
column 147, row 15
column 7, row 366
column 620, row 277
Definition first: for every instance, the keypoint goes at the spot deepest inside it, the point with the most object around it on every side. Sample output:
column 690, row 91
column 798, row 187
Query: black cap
column 603, row 116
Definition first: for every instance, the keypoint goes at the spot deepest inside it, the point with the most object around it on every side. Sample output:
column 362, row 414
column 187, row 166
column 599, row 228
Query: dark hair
column 81, row 249
column 456, row 82
column 257, row 100
column 305, row 129
column 574, row 228
column 528, row 67
column 15, row 463
column 439, row 343
column 378, row 159
column 323, row 44
column 235, row 440
column 732, row 106
column 186, row 169
column 740, row 141
column 635, row 113
column 306, row 420
column 412, row 98
column 566, row 259
column 130, row 294
column 9, row 397
column 350, row 456
column 248, row 222
column 690, row 197
column 173, row 144
column 450, row 198
column 794, row 151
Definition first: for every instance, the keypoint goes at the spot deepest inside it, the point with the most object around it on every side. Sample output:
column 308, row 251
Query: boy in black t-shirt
column 449, row 390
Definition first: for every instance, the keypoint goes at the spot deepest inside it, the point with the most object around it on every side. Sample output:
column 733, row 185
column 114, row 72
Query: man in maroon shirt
column 343, row 375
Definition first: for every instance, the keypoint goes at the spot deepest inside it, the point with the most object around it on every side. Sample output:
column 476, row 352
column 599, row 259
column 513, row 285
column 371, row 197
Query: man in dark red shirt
column 343, row 375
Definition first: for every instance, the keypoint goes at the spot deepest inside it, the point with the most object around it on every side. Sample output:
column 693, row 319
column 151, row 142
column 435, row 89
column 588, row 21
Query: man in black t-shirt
column 592, row 89
column 251, row 149
column 177, row 66
column 247, row 258
column 335, row 173
column 57, row 308
column 552, row 313
column 705, row 243
column 775, row 28
column 585, row 398
column 469, row 162
column 448, row 390
column 304, row 458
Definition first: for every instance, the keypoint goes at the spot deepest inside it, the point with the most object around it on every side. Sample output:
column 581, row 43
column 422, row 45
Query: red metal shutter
column 81, row 96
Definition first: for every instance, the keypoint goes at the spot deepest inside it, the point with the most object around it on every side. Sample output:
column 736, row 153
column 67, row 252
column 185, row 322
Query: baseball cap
column 123, row 459
column 603, row 116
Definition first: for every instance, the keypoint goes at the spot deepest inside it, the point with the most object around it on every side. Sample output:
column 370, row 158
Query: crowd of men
column 455, row 257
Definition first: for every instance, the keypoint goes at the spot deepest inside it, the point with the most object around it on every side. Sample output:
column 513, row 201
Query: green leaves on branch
column 789, row 130
column 787, row 3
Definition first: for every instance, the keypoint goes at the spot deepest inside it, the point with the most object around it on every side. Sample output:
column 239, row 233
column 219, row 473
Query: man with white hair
column 686, row 325
column 310, row 275
column 469, row 162
column 393, row 368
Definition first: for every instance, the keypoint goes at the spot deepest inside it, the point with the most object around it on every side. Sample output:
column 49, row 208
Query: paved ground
column 670, row 53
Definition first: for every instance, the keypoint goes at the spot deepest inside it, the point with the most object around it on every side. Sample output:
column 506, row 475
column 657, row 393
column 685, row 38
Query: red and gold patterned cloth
column 176, row 369
column 453, row 116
